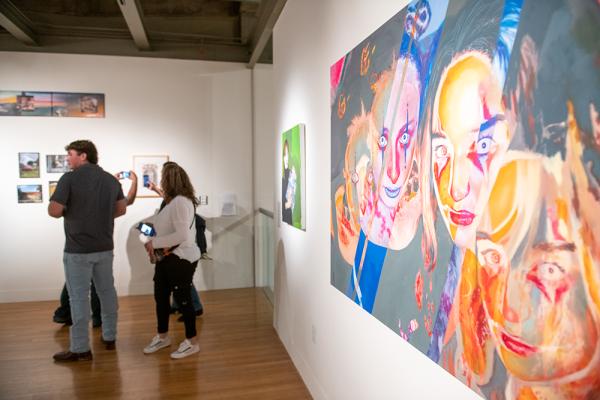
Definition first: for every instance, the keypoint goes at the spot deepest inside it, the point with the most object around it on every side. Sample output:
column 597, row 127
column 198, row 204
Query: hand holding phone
column 146, row 180
column 125, row 174
column 146, row 228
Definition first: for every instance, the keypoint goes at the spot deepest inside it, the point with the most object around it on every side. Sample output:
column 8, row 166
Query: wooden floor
column 240, row 356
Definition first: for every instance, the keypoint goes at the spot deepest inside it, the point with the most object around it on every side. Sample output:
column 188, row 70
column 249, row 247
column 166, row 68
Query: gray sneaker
column 205, row 256
column 186, row 348
column 156, row 344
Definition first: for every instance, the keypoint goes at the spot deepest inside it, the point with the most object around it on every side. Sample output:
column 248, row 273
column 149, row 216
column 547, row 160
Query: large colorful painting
column 292, row 177
column 465, row 184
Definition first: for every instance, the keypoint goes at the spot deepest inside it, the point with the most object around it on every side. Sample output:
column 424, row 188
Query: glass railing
column 264, row 251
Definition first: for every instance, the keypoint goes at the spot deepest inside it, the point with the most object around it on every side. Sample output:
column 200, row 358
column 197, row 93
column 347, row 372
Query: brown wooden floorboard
column 240, row 356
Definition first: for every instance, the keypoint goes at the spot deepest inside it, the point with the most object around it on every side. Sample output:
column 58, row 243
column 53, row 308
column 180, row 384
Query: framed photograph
column 86, row 105
column 29, row 193
column 19, row 103
column 57, row 164
column 29, row 165
column 14, row 103
column 148, row 169
column 51, row 188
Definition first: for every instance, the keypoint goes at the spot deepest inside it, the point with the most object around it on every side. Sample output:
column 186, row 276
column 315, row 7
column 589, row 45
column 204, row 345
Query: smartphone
column 125, row 175
column 146, row 229
column 146, row 180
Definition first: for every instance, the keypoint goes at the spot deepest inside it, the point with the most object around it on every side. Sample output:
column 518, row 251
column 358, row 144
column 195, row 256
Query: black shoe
column 67, row 356
column 62, row 320
column 96, row 322
column 109, row 344
column 198, row 313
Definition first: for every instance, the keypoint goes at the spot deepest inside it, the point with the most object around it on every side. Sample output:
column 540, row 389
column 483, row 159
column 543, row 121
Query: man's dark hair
column 84, row 146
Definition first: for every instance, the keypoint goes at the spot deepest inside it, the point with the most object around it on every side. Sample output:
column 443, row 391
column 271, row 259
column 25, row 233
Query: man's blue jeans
column 80, row 270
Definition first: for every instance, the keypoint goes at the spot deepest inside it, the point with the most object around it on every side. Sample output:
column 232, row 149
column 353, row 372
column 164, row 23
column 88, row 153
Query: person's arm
column 120, row 208
column 59, row 199
column 152, row 186
column 131, row 195
column 120, row 203
column 55, row 209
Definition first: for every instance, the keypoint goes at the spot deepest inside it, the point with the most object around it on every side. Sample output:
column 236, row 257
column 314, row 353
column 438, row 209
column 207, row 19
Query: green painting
column 292, row 177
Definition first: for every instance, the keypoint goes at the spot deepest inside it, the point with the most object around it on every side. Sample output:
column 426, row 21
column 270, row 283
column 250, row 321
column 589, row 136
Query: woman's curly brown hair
column 175, row 182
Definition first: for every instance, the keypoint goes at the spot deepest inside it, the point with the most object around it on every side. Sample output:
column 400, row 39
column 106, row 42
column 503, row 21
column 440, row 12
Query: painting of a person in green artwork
column 292, row 177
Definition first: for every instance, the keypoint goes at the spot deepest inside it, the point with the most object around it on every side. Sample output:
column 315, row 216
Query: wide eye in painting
column 483, row 146
column 404, row 138
column 441, row 151
column 491, row 256
column 383, row 140
column 550, row 278
column 441, row 155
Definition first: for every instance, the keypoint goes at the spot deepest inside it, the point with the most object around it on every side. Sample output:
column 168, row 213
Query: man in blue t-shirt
column 89, row 199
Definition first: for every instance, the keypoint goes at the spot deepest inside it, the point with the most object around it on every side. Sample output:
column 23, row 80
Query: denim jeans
column 80, row 270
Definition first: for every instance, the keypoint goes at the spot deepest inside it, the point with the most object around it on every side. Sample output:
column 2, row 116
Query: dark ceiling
column 215, row 30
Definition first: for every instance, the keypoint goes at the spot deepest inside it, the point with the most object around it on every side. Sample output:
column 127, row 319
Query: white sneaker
column 156, row 344
column 186, row 348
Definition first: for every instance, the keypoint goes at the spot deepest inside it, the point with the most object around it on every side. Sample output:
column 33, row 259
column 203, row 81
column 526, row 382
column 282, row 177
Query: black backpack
column 200, row 228
column 200, row 236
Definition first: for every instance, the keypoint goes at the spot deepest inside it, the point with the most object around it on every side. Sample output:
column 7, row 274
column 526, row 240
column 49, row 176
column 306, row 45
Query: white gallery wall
column 264, row 144
column 341, row 351
column 265, row 137
column 197, row 113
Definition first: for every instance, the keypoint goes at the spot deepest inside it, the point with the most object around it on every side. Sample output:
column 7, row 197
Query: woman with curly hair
column 176, row 254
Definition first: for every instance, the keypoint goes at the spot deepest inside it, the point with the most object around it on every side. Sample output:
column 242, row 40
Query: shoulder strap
column 193, row 217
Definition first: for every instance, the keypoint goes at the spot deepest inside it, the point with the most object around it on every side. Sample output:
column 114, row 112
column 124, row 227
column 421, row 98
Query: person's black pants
column 174, row 274
column 64, row 310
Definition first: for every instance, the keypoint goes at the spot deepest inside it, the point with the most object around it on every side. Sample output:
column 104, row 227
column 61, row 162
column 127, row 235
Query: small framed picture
column 29, row 193
column 51, row 188
column 148, row 170
column 57, row 164
column 29, row 165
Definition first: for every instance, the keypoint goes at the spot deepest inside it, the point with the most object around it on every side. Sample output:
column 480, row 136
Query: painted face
column 397, row 138
column 75, row 160
column 469, row 140
column 354, row 201
column 417, row 19
column 358, row 169
column 353, row 206
column 536, row 303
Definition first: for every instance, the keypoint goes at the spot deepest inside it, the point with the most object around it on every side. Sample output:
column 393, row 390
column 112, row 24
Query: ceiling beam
column 123, row 47
column 16, row 23
column 269, row 13
column 132, row 11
